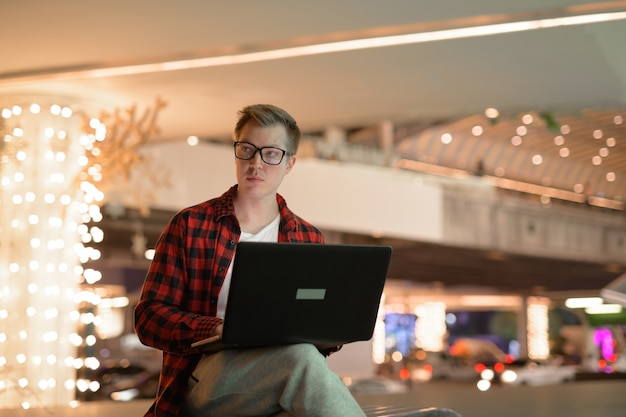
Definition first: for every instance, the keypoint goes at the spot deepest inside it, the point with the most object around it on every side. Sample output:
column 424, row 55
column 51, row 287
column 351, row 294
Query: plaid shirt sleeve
column 178, row 302
column 175, row 305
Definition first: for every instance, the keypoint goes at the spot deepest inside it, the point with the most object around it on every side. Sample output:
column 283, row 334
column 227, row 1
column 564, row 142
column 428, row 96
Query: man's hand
column 218, row 330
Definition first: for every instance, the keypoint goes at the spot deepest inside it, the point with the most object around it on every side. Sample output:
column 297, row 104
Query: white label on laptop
column 311, row 294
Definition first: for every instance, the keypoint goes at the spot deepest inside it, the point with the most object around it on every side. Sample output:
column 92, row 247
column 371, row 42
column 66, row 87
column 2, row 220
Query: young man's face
column 258, row 177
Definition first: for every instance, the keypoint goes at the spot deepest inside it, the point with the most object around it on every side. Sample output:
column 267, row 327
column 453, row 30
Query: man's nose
column 256, row 158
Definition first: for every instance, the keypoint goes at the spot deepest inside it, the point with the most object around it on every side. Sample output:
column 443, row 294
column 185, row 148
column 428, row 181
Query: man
column 185, row 291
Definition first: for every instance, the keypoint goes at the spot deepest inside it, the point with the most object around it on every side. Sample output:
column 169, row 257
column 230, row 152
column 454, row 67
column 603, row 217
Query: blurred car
column 442, row 366
column 376, row 385
column 536, row 373
column 473, row 350
column 471, row 358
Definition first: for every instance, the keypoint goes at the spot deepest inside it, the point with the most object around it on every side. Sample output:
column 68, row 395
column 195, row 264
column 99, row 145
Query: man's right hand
column 218, row 330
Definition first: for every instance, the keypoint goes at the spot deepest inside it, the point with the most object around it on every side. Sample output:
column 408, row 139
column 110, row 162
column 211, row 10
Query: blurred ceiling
column 559, row 88
column 209, row 59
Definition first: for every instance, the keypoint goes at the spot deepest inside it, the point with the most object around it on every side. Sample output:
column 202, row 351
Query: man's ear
column 290, row 163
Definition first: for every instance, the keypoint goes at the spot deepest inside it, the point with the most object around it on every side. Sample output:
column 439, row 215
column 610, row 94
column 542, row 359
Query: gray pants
column 274, row 381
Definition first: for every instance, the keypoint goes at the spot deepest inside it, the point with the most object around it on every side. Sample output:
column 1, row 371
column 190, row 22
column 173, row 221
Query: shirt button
column 213, row 301
column 221, row 269
column 231, row 243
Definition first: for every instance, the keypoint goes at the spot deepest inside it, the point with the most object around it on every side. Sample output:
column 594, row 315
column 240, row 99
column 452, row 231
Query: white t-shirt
column 268, row 234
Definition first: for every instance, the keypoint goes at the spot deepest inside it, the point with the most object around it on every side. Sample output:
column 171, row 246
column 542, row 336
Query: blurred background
column 484, row 141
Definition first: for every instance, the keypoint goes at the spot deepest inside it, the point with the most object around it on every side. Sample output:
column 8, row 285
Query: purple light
column 603, row 338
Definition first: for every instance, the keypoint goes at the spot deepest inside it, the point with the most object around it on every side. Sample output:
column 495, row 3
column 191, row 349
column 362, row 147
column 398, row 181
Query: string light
column 537, row 329
column 41, row 144
column 520, row 134
column 55, row 166
column 430, row 328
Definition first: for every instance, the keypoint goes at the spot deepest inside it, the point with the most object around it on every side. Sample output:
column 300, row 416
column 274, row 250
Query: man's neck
column 254, row 214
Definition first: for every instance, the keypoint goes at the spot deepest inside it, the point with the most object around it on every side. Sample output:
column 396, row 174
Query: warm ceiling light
column 337, row 46
column 527, row 119
column 604, row 309
column 583, row 302
column 377, row 42
column 193, row 140
column 492, row 113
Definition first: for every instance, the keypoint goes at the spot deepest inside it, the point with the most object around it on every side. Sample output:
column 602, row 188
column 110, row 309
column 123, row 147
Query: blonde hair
column 268, row 115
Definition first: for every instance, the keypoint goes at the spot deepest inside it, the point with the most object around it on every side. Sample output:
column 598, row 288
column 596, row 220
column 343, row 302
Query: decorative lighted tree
column 56, row 166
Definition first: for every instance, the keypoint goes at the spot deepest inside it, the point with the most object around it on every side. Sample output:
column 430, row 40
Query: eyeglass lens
column 269, row 154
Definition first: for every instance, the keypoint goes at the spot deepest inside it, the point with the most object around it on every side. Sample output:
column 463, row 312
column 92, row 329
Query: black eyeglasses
column 269, row 154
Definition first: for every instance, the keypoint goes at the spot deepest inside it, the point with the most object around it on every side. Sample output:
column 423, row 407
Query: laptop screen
column 304, row 292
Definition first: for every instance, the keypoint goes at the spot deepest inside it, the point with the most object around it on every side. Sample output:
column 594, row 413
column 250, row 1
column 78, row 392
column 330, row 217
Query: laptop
column 285, row 293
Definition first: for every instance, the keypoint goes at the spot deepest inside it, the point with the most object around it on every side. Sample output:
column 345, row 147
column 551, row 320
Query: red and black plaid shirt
column 179, row 297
